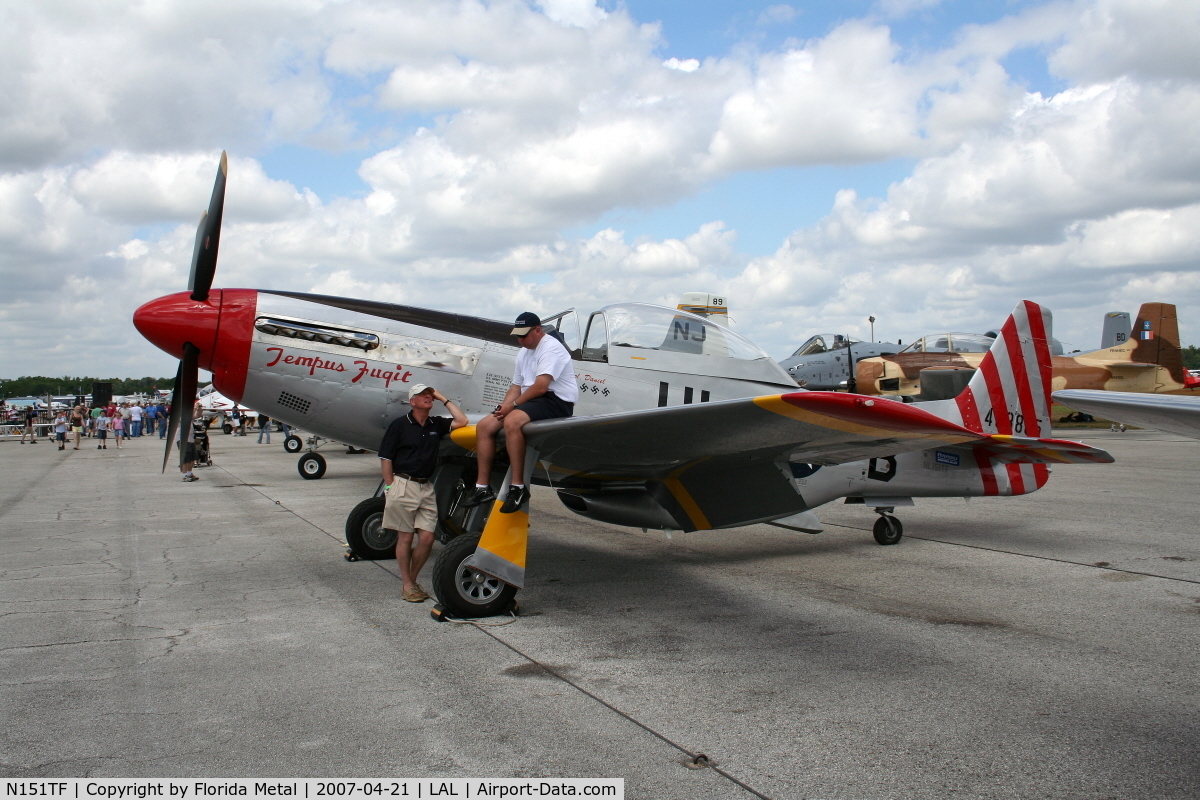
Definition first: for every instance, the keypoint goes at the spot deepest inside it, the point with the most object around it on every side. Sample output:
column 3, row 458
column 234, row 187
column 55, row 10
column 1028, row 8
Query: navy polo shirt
column 412, row 448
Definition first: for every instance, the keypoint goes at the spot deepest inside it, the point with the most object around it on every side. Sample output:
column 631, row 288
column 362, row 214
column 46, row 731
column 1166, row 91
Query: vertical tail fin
column 1010, row 395
column 1010, row 392
column 1156, row 338
column 1116, row 329
column 710, row 306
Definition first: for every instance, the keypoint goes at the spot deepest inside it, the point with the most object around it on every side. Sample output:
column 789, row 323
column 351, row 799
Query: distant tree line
column 40, row 386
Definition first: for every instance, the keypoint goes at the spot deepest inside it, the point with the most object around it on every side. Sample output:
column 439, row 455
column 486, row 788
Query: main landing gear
column 462, row 591
column 888, row 529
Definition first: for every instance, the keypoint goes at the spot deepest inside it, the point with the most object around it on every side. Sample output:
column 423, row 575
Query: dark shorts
column 60, row 435
column 548, row 406
column 102, row 433
column 189, row 451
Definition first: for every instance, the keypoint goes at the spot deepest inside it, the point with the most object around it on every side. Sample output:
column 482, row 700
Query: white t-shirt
column 548, row 358
column 136, row 413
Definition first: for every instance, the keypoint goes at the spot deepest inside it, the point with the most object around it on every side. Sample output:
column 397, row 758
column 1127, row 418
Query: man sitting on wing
column 543, row 387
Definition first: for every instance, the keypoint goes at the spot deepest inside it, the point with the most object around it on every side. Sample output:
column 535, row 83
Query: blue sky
column 763, row 206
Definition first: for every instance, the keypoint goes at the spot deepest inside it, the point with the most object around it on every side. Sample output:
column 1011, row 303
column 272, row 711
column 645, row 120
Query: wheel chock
column 350, row 555
column 440, row 613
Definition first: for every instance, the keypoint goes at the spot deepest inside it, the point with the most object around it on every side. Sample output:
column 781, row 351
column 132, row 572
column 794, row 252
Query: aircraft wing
column 728, row 463
column 1163, row 412
column 810, row 427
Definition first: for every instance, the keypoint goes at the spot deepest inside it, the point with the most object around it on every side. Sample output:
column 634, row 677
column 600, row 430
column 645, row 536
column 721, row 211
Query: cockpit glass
column 951, row 343
column 656, row 328
column 823, row 343
column 812, row 347
column 937, row 344
column 970, row 343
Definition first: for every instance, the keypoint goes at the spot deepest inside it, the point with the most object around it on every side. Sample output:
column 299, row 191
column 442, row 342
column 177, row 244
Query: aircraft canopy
column 951, row 343
column 657, row 328
column 822, row 343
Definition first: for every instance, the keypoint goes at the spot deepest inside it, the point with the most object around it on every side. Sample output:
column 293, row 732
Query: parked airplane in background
column 1162, row 412
column 681, row 424
column 215, row 405
column 1150, row 361
column 703, row 304
column 1117, row 329
column 824, row 361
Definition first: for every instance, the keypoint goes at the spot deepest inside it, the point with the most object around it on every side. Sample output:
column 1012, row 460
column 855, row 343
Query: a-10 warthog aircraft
column 681, row 424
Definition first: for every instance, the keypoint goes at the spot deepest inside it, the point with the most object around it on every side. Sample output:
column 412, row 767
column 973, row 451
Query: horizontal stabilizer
column 1021, row 450
column 1161, row 412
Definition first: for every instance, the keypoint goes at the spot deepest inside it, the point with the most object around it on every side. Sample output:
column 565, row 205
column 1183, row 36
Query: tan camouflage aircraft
column 1149, row 361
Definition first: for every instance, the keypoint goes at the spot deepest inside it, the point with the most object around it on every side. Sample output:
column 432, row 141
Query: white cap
column 417, row 389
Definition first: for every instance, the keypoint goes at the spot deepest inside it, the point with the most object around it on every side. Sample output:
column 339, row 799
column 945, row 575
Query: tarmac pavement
column 1043, row 646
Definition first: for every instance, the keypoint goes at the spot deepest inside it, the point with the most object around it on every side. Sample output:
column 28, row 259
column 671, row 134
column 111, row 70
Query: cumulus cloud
column 1154, row 39
column 843, row 98
column 85, row 77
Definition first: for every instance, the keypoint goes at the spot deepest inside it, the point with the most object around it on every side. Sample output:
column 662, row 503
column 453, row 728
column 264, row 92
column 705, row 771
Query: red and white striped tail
column 1010, row 395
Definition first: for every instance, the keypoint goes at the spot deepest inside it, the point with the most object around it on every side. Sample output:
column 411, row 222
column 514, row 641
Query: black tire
column 888, row 530
column 227, row 428
column 293, row 444
column 365, row 532
column 461, row 590
column 311, row 466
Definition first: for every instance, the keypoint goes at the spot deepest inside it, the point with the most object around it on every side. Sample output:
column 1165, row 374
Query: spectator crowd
column 114, row 422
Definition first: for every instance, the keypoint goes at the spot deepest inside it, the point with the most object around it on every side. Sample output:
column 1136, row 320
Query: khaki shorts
column 410, row 506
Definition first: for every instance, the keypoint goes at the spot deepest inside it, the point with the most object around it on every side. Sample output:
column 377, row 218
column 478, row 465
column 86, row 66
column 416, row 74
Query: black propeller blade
column 183, row 399
column 208, row 238
column 204, row 268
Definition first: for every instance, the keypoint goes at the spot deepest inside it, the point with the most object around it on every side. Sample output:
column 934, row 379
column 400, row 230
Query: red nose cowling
column 221, row 327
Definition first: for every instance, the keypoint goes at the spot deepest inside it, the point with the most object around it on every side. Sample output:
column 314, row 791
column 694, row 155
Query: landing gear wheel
column 311, row 466
column 887, row 530
column 293, row 444
column 463, row 591
column 227, row 428
column 365, row 532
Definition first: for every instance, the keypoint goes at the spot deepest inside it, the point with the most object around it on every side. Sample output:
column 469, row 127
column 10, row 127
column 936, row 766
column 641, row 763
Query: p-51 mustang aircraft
column 681, row 424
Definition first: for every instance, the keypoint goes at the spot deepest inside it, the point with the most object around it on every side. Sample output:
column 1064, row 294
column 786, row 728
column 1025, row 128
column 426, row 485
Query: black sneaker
column 481, row 495
column 516, row 498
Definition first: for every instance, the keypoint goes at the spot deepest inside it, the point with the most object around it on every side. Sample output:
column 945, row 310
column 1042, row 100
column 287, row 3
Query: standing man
column 543, row 387
column 186, row 442
column 407, row 458
column 135, row 416
column 264, row 428
column 126, row 421
column 31, row 418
